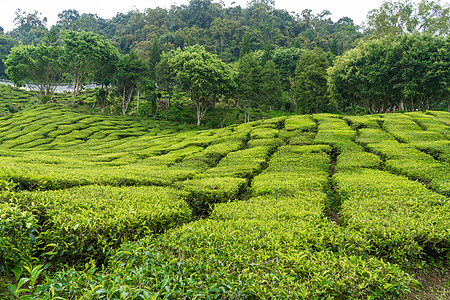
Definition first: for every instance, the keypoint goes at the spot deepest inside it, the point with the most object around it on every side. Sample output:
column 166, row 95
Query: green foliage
column 131, row 70
column 270, row 89
column 249, row 79
column 404, row 220
column 408, row 72
column 204, row 193
column 39, row 67
column 6, row 44
column 289, row 207
column 14, row 100
column 300, row 122
column 310, row 83
column 243, row 163
column 84, row 54
column 399, row 17
column 358, row 122
column 237, row 259
column 294, row 170
column 335, row 132
column 87, row 222
column 18, row 231
column 31, row 27
column 202, row 76
column 437, row 149
column 357, row 159
column 286, row 60
column 405, row 159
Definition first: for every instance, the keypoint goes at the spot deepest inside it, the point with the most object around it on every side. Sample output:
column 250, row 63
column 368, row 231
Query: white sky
column 354, row 9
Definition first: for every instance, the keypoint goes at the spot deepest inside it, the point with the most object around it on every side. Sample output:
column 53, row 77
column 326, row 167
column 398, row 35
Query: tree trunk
column 74, row 91
column 126, row 99
column 138, row 100
column 245, row 114
column 199, row 117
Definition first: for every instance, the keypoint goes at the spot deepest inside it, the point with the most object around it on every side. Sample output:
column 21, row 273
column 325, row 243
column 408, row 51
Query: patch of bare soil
column 435, row 285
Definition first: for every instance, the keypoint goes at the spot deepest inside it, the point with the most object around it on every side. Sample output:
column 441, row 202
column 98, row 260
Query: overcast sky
column 354, row 9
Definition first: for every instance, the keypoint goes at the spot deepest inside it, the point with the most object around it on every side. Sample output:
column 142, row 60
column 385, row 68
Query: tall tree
column 408, row 71
column 267, row 54
column 286, row 60
column 343, row 81
column 165, row 75
column 270, row 88
column 84, row 53
column 131, row 70
column 38, row 67
column 30, row 27
column 203, row 76
column 310, row 84
column 104, row 75
column 249, row 81
column 406, row 16
column 154, row 58
column 245, row 48
column 6, row 44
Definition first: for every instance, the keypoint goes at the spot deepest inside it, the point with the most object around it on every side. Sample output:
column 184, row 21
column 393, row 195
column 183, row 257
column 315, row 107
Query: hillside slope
column 290, row 207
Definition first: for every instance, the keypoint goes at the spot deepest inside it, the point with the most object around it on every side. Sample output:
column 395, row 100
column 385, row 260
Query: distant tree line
column 221, row 30
column 405, row 72
column 253, row 57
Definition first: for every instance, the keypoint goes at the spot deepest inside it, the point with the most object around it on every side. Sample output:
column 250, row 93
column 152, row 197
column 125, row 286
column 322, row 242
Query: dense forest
column 271, row 58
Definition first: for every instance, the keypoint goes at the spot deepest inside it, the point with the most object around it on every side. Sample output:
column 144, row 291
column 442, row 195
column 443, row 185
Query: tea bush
column 402, row 218
column 236, row 259
column 204, row 193
column 18, row 231
column 89, row 221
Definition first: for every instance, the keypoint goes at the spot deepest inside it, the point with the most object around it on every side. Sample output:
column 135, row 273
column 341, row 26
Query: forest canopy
column 268, row 58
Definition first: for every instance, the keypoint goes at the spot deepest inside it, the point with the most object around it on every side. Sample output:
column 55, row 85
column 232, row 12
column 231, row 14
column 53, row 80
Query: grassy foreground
column 320, row 206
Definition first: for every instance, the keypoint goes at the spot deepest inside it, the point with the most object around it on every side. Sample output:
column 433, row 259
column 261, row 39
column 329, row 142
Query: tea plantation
column 309, row 206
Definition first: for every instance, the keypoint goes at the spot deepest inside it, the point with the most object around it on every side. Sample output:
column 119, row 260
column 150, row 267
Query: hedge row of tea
column 404, row 221
column 275, row 244
column 161, row 211
column 14, row 99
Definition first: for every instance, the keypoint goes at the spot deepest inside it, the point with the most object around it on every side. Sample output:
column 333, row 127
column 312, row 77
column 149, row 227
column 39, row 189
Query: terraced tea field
column 294, row 207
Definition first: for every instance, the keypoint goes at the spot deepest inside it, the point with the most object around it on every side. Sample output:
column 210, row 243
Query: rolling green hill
column 306, row 206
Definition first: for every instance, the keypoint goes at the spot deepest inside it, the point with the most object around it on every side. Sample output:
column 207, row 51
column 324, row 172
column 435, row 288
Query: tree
column 408, row 71
column 249, row 79
column 131, row 69
column 154, row 58
column 267, row 54
column 423, row 70
column 39, row 67
column 270, row 87
column 286, row 61
column 67, row 19
column 398, row 17
column 343, row 81
column 104, row 75
column 310, row 86
column 6, row 44
column 30, row 27
column 84, row 53
column 201, row 13
column 165, row 75
column 245, row 45
column 203, row 76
